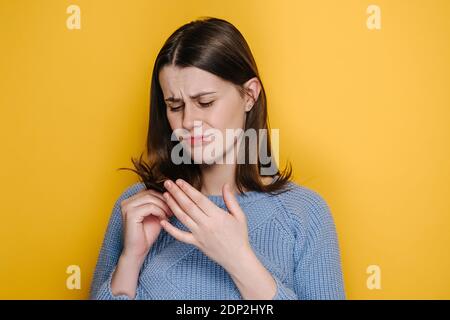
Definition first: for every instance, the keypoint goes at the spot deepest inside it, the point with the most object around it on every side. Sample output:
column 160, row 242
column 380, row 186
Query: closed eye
column 206, row 104
column 202, row 104
column 175, row 109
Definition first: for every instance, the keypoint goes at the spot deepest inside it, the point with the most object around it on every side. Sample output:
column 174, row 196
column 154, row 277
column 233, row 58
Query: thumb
column 232, row 204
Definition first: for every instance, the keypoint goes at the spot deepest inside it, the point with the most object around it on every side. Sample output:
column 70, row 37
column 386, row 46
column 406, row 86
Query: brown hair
column 216, row 46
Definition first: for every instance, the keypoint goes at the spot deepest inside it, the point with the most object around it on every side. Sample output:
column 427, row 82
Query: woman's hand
column 141, row 216
column 220, row 235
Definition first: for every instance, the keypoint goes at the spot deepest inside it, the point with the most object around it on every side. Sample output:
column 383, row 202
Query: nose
column 191, row 116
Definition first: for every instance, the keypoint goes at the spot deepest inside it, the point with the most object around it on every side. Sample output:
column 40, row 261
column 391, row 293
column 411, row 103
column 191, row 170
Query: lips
column 198, row 139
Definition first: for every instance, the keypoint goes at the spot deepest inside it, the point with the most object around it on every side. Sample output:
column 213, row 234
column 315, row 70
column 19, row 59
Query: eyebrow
column 195, row 96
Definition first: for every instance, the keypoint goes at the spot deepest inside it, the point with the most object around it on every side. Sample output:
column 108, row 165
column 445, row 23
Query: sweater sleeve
column 317, row 261
column 110, row 252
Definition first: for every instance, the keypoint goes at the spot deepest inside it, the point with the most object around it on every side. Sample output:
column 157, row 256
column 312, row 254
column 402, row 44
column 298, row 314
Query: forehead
column 188, row 80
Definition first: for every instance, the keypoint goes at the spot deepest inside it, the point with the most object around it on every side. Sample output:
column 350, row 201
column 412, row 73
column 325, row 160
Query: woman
column 199, row 227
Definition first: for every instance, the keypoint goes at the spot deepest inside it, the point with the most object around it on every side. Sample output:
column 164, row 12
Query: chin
column 207, row 159
column 206, row 155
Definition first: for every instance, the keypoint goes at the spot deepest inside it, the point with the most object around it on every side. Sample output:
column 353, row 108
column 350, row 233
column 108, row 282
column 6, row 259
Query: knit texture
column 293, row 235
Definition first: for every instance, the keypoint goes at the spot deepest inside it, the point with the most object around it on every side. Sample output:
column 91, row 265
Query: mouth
column 196, row 140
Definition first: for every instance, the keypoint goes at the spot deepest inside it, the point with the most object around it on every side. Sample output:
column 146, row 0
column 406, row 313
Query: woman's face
column 206, row 111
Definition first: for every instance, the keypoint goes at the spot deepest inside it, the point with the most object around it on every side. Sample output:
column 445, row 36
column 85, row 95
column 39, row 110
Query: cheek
column 228, row 116
column 174, row 119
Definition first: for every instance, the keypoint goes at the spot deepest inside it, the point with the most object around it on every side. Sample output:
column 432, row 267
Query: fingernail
column 167, row 184
column 179, row 182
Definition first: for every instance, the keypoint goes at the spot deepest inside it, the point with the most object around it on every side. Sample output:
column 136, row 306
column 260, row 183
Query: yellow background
column 363, row 116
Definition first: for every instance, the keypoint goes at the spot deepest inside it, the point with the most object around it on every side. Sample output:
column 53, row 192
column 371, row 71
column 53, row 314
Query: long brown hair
column 216, row 46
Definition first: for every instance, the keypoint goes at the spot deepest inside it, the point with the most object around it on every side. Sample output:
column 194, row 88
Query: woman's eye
column 175, row 109
column 206, row 104
column 178, row 108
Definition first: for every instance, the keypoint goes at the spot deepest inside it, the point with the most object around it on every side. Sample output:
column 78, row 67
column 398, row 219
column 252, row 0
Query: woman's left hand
column 220, row 235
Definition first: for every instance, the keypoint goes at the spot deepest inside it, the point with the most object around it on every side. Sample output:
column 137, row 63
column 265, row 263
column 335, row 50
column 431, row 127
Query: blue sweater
column 293, row 235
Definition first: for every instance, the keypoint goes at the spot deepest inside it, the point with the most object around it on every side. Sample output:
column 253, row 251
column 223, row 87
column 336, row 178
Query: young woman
column 202, row 227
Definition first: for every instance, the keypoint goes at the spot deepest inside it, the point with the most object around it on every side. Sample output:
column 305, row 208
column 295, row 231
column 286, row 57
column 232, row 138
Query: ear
column 253, row 88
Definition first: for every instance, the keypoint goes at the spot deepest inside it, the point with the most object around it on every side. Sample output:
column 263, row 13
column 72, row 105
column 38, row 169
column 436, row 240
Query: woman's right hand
column 141, row 216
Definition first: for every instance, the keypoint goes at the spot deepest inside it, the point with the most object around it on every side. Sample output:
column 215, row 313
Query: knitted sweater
column 292, row 234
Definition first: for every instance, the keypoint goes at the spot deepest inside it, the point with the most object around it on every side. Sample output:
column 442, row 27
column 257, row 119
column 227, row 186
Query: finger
column 140, row 193
column 186, row 204
column 156, row 193
column 178, row 234
column 179, row 213
column 232, row 204
column 145, row 210
column 150, row 199
column 206, row 205
column 146, row 198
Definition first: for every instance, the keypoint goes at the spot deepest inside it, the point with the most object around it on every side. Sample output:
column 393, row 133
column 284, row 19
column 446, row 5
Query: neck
column 215, row 176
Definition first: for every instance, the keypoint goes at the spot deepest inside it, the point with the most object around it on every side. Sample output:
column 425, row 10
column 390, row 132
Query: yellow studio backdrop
column 363, row 114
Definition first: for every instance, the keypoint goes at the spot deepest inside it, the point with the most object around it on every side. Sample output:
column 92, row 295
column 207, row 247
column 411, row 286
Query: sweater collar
column 242, row 198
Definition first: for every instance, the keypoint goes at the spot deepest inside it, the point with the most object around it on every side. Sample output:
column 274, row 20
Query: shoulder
column 129, row 191
column 132, row 190
column 306, row 209
column 115, row 219
column 301, row 195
